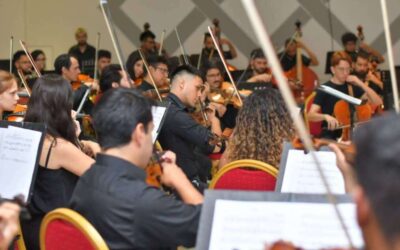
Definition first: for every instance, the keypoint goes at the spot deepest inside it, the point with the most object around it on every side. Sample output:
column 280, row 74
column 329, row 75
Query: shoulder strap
column 48, row 153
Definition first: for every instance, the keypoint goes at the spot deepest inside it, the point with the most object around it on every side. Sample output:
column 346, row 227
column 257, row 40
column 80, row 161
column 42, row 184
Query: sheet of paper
column 18, row 152
column 158, row 113
column 244, row 225
column 301, row 174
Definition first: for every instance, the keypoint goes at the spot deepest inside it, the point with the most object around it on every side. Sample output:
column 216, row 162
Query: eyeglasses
column 343, row 69
column 163, row 70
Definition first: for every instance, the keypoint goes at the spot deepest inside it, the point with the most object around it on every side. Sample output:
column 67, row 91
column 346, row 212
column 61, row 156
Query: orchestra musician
column 39, row 58
column 112, row 77
column 209, row 52
column 9, row 223
column 62, row 159
column 349, row 42
column 8, row 92
column 83, row 52
column 134, row 66
column 158, row 69
column 258, row 70
column 288, row 56
column 103, row 60
column 21, row 62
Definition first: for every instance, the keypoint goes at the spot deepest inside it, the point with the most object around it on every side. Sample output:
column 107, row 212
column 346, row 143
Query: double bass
column 305, row 78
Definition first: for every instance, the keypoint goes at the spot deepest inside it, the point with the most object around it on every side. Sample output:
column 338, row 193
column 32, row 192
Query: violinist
column 323, row 106
column 134, row 66
column 258, row 70
column 350, row 40
column 22, row 63
column 130, row 214
column 181, row 134
column 83, row 52
column 68, row 67
column 158, row 69
column 8, row 92
column 288, row 56
column 39, row 58
column 209, row 52
column 103, row 60
column 375, row 187
column 62, row 159
column 9, row 223
column 112, row 77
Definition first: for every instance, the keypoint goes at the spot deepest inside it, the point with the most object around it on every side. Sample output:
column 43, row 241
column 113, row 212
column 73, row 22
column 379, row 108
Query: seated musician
column 258, row 70
column 68, row 67
column 209, row 52
column 8, row 92
column 288, row 56
column 39, row 58
column 103, row 60
column 373, row 181
column 181, row 134
column 218, row 88
column 322, row 108
column 263, row 123
column 159, row 72
column 62, row 160
column 20, row 61
column 111, row 77
column 134, row 66
column 113, row 194
column 349, row 42
column 9, row 221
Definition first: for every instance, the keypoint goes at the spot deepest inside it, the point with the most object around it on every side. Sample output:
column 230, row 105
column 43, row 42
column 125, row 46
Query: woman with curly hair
column 263, row 123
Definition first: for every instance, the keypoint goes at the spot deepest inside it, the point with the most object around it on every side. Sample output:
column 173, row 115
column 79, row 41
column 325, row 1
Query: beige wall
column 50, row 24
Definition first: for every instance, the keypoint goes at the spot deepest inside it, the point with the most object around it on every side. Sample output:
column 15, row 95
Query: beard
column 361, row 74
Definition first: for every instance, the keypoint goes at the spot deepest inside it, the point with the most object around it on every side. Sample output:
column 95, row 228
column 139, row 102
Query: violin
column 82, row 78
column 305, row 78
column 348, row 150
column 18, row 114
column 154, row 169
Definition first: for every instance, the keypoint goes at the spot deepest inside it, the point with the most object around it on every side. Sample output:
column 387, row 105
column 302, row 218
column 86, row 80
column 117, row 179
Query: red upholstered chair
column 315, row 128
column 245, row 175
column 64, row 228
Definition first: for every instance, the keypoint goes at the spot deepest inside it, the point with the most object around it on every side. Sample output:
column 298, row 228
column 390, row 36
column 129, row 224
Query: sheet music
column 158, row 113
column 243, row 225
column 18, row 152
column 301, row 174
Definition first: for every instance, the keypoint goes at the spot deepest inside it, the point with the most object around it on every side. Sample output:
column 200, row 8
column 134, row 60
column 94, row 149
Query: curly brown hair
column 263, row 123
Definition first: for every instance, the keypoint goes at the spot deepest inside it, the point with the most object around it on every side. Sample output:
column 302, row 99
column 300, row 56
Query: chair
column 64, row 228
column 245, row 175
column 19, row 243
column 315, row 128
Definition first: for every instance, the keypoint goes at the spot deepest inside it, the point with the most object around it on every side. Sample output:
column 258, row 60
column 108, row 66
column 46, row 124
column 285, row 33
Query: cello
column 304, row 78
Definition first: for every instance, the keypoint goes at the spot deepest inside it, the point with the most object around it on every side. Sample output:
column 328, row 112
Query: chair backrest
column 64, row 228
column 245, row 174
column 19, row 243
column 315, row 128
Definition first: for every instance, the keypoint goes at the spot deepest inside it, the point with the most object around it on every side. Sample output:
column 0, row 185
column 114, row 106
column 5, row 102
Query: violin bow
column 390, row 55
column 22, row 77
column 266, row 44
column 161, row 43
column 114, row 39
column 28, row 54
column 11, row 52
column 221, row 55
column 182, row 48
column 96, row 66
column 148, row 72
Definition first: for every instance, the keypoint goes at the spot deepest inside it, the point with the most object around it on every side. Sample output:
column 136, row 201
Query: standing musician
column 349, row 41
column 209, row 52
column 68, row 67
column 288, row 56
column 258, row 70
column 181, row 134
column 9, row 223
column 129, row 213
column 62, row 159
column 323, row 106
column 39, row 58
column 103, row 60
column 111, row 77
column 8, row 92
column 158, row 69
column 83, row 52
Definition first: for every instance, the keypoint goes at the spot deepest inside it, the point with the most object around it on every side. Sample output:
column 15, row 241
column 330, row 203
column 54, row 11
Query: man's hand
column 332, row 122
column 9, row 223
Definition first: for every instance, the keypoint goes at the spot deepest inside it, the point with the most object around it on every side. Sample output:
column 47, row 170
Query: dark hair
column 17, row 55
column 257, row 53
column 51, row 104
column 186, row 69
column 362, row 54
column 110, row 74
column 348, row 37
column 36, row 53
column 130, row 63
column 214, row 63
column 103, row 53
column 289, row 40
column 206, row 35
column 154, row 61
column 63, row 60
column 146, row 34
column 117, row 114
column 378, row 170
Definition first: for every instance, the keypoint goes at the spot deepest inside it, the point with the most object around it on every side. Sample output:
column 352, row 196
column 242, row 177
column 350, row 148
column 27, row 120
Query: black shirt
column 129, row 214
column 209, row 54
column 85, row 59
column 327, row 103
column 288, row 62
column 144, row 86
column 181, row 134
